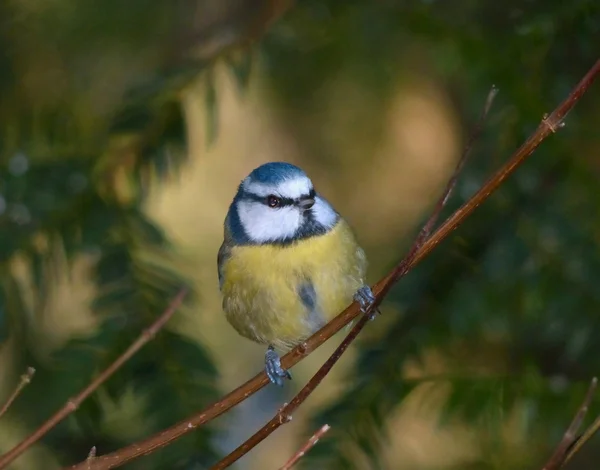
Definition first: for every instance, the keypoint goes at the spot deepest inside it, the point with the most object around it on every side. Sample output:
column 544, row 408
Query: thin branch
column 467, row 150
column 284, row 415
column 269, row 12
column 585, row 437
column 72, row 404
column 25, row 379
column 406, row 263
column 166, row 436
column 559, row 456
column 306, row 447
column 91, row 456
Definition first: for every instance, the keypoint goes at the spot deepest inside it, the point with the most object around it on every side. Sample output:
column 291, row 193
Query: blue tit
column 289, row 262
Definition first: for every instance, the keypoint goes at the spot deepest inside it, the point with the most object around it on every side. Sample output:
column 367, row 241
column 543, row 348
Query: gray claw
column 364, row 296
column 273, row 368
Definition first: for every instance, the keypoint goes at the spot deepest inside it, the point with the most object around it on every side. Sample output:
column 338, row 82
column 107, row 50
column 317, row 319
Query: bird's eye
column 273, row 201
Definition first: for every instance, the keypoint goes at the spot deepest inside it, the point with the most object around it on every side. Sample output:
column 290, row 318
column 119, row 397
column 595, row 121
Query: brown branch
column 306, row 447
column 72, row 404
column 559, row 457
column 284, row 414
column 91, row 456
column 25, row 379
column 165, row 437
column 260, row 20
column 404, row 265
column 581, row 441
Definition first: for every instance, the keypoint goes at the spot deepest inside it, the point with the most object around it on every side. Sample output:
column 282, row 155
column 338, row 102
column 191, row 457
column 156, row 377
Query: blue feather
column 234, row 224
column 268, row 173
column 275, row 173
column 272, row 173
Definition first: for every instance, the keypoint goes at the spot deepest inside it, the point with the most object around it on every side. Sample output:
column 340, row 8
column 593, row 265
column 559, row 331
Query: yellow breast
column 260, row 286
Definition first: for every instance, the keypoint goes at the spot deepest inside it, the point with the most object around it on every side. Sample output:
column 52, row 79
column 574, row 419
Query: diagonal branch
column 165, row 437
column 563, row 451
column 583, row 439
column 263, row 16
column 285, row 414
column 423, row 235
column 25, row 379
column 72, row 404
column 306, row 447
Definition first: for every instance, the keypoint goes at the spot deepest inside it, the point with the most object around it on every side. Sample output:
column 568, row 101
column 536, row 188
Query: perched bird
column 289, row 262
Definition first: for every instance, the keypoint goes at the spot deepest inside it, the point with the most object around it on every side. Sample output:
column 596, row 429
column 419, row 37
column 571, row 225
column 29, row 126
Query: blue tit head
column 277, row 203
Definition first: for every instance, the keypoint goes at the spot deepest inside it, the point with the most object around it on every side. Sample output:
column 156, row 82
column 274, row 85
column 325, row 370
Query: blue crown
column 275, row 172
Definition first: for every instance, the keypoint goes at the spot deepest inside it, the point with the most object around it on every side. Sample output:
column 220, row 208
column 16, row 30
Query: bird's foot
column 364, row 296
column 273, row 368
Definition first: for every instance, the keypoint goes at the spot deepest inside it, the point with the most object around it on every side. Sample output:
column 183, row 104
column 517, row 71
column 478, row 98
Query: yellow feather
column 260, row 287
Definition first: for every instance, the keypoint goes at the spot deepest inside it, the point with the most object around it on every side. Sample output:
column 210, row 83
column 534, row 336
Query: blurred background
column 125, row 128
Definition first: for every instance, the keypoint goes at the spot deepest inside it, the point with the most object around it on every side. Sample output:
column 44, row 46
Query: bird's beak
column 306, row 203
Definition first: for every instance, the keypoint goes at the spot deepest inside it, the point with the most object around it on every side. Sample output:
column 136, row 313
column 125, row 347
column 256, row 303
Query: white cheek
column 324, row 213
column 263, row 224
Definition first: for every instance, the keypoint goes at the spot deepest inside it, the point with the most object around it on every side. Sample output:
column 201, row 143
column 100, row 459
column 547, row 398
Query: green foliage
column 62, row 193
column 135, row 282
column 513, row 292
column 518, row 279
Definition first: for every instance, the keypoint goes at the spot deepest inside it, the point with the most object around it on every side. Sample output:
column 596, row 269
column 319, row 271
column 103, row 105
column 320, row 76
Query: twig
column 306, row 447
column 559, row 456
column 585, row 437
column 401, row 270
column 25, row 379
column 285, row 413
column 266, row 15
column 72, row 404
column 423, row 235
column 91, row 456
column 166, row 436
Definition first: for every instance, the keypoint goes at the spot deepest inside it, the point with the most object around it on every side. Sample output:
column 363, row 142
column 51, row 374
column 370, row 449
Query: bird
column 288, row 263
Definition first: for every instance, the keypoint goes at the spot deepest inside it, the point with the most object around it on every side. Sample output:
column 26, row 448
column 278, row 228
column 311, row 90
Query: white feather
column 263, row 224
column 292, row 188
column 324, row 213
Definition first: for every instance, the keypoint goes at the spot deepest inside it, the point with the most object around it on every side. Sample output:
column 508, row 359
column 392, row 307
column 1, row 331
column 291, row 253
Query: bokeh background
column 125, row 128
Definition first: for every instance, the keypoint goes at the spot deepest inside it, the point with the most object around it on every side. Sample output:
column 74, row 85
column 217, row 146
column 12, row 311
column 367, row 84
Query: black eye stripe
column 284, row 201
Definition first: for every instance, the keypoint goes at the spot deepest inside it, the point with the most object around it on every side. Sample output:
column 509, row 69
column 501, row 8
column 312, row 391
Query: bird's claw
column 364, row 296
column 273, row 368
